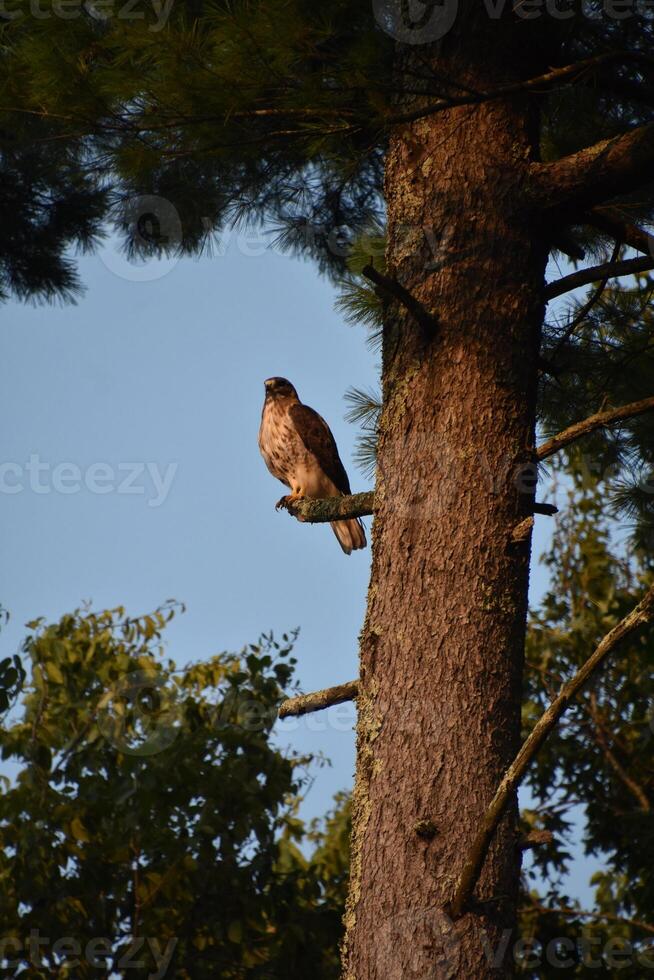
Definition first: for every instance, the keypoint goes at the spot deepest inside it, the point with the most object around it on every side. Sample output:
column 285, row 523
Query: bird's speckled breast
column 281, row 447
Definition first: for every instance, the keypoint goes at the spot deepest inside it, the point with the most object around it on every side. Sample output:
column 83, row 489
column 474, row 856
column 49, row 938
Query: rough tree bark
column 442, row 644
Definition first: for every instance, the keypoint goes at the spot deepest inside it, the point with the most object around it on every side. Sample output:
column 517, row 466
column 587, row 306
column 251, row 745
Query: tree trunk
column 442, row 644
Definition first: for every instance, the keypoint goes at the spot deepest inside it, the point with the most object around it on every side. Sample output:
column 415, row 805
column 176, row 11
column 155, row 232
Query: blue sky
column 157, row 375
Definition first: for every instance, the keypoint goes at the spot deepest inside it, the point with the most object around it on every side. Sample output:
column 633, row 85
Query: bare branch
column 611, row 221
column 595, row 174
column 426, row 320
column 329, row 509
column 318, row 700
column 598, row 421
column 549, row 510
column 642, row 614
column 610, row 270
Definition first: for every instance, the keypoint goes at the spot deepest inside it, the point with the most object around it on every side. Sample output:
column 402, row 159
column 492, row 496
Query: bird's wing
column 317, row 438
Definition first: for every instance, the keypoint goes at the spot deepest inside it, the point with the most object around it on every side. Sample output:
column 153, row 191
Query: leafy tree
column 12, row 674
column 599, row 760
column 487, row 141
column 150, row 829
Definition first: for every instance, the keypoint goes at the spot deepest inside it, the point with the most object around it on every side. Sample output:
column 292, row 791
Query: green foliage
column 358, row 299
column 150, row 805
column 150, row 801
column 365, row 411
column 248, row 111
column 12, row 677
column 597, row 765
column 50, row 202
column 360, row 303
column 609, row 361
column 231, row 112
column 331, row 839
column 12, row 674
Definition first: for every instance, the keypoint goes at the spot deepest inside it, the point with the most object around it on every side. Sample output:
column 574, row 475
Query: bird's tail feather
column 351, row 534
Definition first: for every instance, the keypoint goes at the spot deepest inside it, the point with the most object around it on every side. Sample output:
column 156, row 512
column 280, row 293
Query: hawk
column 298, row 448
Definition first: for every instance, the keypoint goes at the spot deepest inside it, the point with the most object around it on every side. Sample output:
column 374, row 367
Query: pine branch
column 569, row 912
column 426, row 320
column 539, row 82
column 323, row 510
column 609, row 270
column 598, row 421
column 596, row 173
column 643, row 613
column 624, row 88
column 610, row 220
column 564, row 242
column 602, row 737
column 318, row 700
column 587, row 306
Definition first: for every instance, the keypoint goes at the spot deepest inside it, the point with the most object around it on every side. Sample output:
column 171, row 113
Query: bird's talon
column 287, row 502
